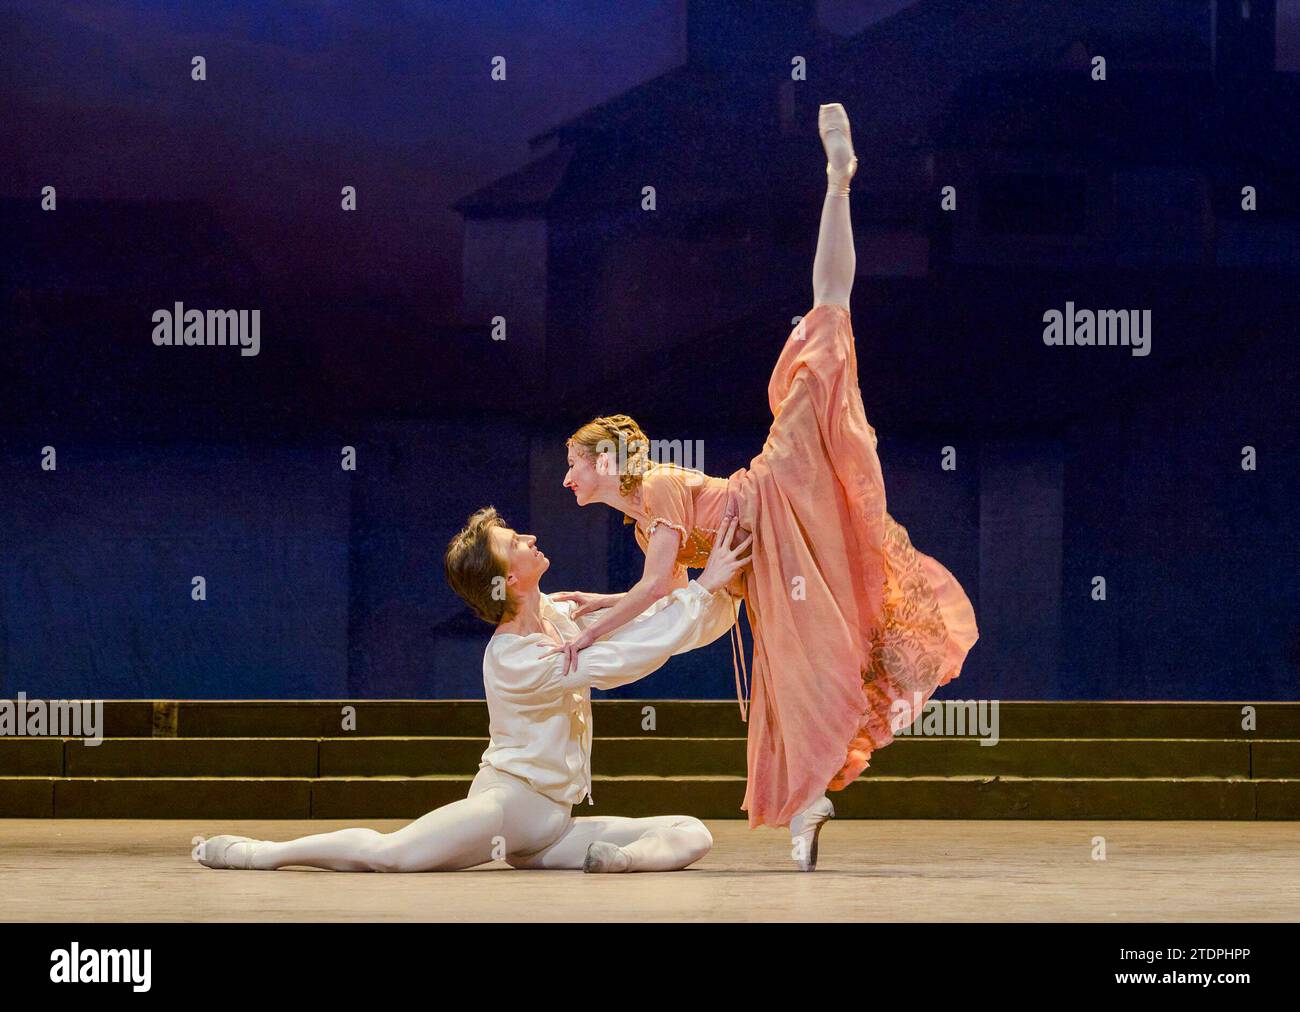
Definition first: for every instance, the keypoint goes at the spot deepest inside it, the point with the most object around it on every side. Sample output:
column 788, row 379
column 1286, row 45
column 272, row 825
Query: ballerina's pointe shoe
column 804, row 830
column 604, row 857
column 841, row 162
column 224, row 852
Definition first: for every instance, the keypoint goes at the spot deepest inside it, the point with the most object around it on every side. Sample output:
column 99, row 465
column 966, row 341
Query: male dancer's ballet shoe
column 215, row 853
column 604, row 857
column 841, row 162
column 804, row 830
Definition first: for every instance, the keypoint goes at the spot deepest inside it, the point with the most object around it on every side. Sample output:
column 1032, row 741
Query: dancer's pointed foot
column 227, row 852
column 605, row 857
column 841, row 163
column 806, row 827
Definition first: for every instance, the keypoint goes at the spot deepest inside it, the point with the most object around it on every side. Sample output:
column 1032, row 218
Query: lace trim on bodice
column 695, row 544
column 656, row 521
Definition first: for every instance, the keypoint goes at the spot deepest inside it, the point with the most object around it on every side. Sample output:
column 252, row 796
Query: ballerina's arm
column 584, row 602
column 657, row 580
column 693, row 617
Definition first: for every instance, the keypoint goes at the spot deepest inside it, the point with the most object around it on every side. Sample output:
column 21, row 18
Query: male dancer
column 538, row 763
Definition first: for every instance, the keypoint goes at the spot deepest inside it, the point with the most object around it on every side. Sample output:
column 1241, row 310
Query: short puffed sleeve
column 666, row 501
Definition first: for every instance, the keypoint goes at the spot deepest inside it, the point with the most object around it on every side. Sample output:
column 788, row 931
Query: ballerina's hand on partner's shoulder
column 585, row 602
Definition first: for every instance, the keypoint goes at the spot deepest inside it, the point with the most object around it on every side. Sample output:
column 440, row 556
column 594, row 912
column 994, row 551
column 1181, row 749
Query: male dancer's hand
column 725, row 561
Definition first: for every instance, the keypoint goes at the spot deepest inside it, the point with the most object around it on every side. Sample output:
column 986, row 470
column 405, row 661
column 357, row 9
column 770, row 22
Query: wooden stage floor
column 137, row 870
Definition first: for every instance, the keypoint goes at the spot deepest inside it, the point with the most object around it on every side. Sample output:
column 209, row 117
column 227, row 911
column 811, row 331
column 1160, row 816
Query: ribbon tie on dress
column 738, row 662
column 732, row 512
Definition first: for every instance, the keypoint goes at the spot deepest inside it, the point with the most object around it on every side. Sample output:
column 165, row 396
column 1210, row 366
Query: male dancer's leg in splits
column 503, row 817
column 538, row 762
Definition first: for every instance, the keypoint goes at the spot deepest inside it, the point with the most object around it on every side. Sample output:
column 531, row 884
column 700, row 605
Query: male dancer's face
column 525, row 562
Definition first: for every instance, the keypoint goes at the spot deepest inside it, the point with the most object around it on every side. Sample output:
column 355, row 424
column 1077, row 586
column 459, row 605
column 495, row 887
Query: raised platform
column 295, row 760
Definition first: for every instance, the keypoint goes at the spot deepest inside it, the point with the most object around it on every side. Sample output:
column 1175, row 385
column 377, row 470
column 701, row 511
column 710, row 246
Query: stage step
column 672, row 718
column 708, row 797
column 311, row 757
column 398, row 758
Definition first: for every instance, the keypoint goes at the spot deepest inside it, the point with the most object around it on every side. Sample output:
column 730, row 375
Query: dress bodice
column 693, row 504
column 690, row 502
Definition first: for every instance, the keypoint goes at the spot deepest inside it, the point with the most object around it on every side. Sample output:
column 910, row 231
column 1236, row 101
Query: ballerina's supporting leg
column 835, row 262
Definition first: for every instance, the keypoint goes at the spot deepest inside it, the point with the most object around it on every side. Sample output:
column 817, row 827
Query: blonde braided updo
column 621, row 436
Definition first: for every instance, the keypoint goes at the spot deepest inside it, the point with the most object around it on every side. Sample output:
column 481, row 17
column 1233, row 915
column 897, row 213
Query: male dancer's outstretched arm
column 688, row 618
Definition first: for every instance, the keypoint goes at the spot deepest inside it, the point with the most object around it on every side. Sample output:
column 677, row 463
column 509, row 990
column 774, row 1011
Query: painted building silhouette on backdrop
column 1072, row 462
column 1115, row 194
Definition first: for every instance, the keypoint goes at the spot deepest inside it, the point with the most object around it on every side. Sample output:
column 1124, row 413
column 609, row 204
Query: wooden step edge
column 1002, row 739
column 720, row 703
column 650, row 778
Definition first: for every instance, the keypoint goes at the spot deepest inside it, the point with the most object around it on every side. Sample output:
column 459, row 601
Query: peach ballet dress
column 853, row 628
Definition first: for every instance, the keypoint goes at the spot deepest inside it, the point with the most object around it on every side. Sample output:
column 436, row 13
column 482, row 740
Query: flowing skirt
column 853, row 628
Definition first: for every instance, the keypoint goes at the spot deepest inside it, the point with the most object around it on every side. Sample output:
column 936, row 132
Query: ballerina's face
column 525, row 562
column 585, row 474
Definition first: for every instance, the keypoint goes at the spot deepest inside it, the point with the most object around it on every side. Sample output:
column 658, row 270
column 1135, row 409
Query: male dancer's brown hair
column 475, row 572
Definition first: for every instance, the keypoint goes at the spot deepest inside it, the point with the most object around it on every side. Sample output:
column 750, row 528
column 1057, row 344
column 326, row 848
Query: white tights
column 502, row 818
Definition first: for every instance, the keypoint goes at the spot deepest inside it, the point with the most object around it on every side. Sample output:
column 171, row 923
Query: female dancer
column 853, row 628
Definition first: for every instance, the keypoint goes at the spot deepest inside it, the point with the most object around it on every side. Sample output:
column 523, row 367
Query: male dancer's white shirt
column 540, row 719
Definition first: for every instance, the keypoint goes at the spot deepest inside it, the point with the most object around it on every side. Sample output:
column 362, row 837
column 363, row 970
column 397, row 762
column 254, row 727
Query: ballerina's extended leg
column 834, row 267
column 835, row 261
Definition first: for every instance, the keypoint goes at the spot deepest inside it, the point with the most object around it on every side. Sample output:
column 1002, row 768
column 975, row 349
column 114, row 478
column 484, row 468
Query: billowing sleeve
column 667, row 501
column 692, row 618
column 684, row 620
column 522, row 676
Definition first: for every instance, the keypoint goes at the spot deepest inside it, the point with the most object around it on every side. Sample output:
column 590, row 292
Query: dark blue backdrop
column 523, row 199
